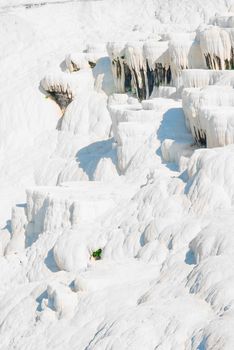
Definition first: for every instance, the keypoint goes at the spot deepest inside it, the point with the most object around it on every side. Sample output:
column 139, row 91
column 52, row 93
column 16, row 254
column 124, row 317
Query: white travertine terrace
column 184, row 54
column 153, row 63
column 199, row 78
column 120, row 235
column 132, row 126
column 216, row 46
column 209, row 113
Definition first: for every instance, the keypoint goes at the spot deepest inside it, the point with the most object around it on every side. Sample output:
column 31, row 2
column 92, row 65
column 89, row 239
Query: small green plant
column 97, row 254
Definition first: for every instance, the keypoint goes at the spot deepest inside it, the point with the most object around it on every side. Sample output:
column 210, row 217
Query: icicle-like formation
column 139, row 67
column 230, row 31
column 184, row 54
column 64, row 87
column 216, row 47
column 120, row 70
column 137, row 64
column 59, row 89
column 157, row 64
column 209, row 114
column 143, row 67
column 218, row 123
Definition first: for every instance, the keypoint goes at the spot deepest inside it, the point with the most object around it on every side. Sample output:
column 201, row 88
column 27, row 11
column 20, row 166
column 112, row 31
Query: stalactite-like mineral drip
column 137, row 66
column 157, row 63
column 184, row 54
column 120, row 71
column 60, row 93
column 216, row 47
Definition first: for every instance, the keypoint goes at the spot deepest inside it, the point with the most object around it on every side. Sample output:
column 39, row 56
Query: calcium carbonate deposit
column 116, row 175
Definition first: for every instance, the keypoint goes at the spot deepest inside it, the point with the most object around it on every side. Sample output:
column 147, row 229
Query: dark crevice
column 128, row 78
column 92, row 64
column 200, row 137
column 150, row 77
column 61, row 98
column 74, row 67
column 214, row 62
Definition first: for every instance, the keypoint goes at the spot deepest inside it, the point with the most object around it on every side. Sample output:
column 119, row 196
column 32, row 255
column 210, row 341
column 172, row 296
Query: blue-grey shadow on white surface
column 89, row 156
column 7, row 226
column 190, row 258
column 50, row 262
column 173, row 127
